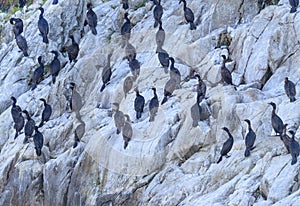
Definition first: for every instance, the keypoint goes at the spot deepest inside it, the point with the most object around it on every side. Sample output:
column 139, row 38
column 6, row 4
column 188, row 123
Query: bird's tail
column 125, row 6
column 41, row 124
column 33, row 86
column 38, row 151
column 292, row 99
column 247, row 152
column 193, row 26
column 164, row 100
column 53, row 79
column 102, row 88
column 25, row 53
column 195, row 123
column 294, row 159
column 45, row 39
column 16, row 135
column 25, row 140
column 125, row 144
column 155, row 24
column 118, row 131
column 219, row 160
column 94, row 31
column 293, row 10
column 151, row 119
column 138, row 115
column 76, row 140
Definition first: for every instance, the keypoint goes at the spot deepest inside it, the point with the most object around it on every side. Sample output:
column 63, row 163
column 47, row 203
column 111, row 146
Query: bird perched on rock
column 37, row 74
column 285, row 138
column 163, row 58
column 225, row 73
column 160, row 37
column 135, row 67
column 125, row 4
column 276, row 121
column 73, row 50
column 125, row 30
column 29, row 127
column 79, row 132
column 46, row 114
column 18, row 25
column 227, row 145
column 196, row 112
column 169, row 89
column 290, row 89
column 106, row 73
column 130, row 52
column 127, row 131
column 157, row 12
column 139, row 104
column 127, row 84
column 294, row 4
column 153, row 105
column 189, row 15
column 38, row 140
column 76, row 100
column 43, row 26
column 54, row 66
column 91, row 18
column 118, row 118
column 201, row 88
column 22, row 44
column 15, row 110
column 174, row 73
column 294, row 148
column 19, row 124
column 250, row 139
column 22, row 3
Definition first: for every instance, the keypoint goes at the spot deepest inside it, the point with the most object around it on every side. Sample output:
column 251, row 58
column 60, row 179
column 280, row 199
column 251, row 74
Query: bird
column 153, row 105
column 29, row 127
column 227, row 145
column 19, row 124
column 18, row 25
column 139, row 104
column 276, row 121
column 79, row 132
column 46, row 114
column 250, row 139
column 294, row 148
column 174, row 73
column 106, row 73
column 225, row 73
column 130, row 52
column 127, row 84
column 157, row 12
column 160, row 37
column 294, row 4
column 76, row 100
column 38, row 140
column 125, row 4
column 55, row 2
column 119, row 118
column 37, row 74
column 127, row 131
column 54, row 66
column 22, row 3
column 290, row 89
column 73, row 50
column 285, row 138
column 22, row 44
column 201, row 88
column 163, row 58
column 91, row 19
column 43, row 26
column 168, row 90
column 125, row 30
column 196, row 113
column 189, row 15
column 15, row 110
column 135, row 66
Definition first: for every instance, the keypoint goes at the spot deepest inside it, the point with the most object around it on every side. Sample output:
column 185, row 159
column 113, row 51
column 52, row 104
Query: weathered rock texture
column 167, row 162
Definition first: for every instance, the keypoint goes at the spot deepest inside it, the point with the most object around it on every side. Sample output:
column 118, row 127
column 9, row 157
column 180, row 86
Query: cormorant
column 79, row 132
column 169, row 89
column 19, row 124
column 227, row 145
column 119, row 118
column 46, row 113
column 125, row 30
column 157, row 13
column 91, row 18
column 174, row 73
column 277, row 123
column 126, row 131
column 18, row 25
column 22, row 3
column 76, row 100
column 139, row 104
column 294, row 148
column 37, row 74
column 290, row 89
column 163, row 58
column 250, row 139
column 135, row 66
column 285, row 138
column 22, row 44
column 225, row 73
column 201, row 88
column 73, row 50
column 294, row 4
column 54, row 66
column 43, row 26
column 106, row 73
column 29, row 127
column 160, row 36
column 130, row 52
column 189, row 15
column 15, row 110
column 196, row 113
column 55, row 2
column 153, row 105
column 125, row 4
column 127, row 84
column 38, row 140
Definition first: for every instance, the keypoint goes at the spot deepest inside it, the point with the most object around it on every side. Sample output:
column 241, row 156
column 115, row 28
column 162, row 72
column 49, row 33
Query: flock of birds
column 122, row 121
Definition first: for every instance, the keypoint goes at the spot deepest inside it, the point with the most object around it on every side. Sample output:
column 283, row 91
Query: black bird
column 201, row 88
column 163, row 58
column 43, row 26
column 18, row 25
column 294, row 148
column 19, row 124
column 135, row 66
column 174, row 73
column 79, row 132
column 139, row 104
column 294, row 4
column 38, row 74
column 22, row 44
column 125, row 30
column 73, row 50
column 15, row 110
column 285, row 138
column 227, row 145
column 46, row 112
column 157, row 13
column 169, row 89
column 55, row 2
column 160, row 37
column 189, row 15
column 22, row 3
column 106, row 73
column 277, row 123
column 225, row 73
column 29, row 127
column 54, row 66
column 125, row 4
column 38, row 140
column 127, row 131
column 153, row 105
column 250, row 139
column 290, row 89
column 196, row 113
column 91, row 18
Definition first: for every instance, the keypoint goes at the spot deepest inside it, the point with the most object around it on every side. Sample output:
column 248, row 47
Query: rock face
column 167, row 161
